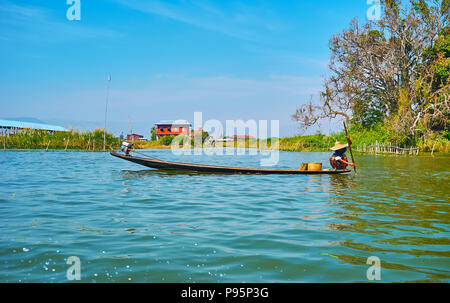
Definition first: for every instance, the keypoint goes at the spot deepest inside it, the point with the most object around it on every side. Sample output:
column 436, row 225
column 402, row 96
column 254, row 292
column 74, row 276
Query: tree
column 167, row 140
column 393, row 70
column 153, row 133
column 204, row 134
column 432, row 87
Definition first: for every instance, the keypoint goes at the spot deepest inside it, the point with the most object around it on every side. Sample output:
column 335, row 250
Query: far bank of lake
column 94, row 141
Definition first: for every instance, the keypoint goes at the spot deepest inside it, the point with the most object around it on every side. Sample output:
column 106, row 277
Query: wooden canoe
column 168, row 165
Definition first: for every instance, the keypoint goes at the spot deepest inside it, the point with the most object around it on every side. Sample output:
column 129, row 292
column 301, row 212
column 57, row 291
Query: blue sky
column 228, row 59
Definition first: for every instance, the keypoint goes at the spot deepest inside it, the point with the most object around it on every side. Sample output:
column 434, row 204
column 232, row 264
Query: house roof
column 173, row 122
column 29, row 125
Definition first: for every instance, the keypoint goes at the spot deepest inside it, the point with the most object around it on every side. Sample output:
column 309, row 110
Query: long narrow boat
column 168, row 165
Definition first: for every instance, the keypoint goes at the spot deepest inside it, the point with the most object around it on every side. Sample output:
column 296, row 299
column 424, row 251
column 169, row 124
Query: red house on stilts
column 172, row 128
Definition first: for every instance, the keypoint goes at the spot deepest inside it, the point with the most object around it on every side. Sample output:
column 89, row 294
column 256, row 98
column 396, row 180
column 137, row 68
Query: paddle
column 350, row 147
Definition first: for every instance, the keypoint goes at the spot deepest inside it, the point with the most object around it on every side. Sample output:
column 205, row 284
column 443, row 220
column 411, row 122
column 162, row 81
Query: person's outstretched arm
column 346, row 163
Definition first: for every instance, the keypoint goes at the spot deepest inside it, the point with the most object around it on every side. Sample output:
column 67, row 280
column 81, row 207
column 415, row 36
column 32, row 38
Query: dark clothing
column 340, row 152
column 339, row 164
column 338, row 155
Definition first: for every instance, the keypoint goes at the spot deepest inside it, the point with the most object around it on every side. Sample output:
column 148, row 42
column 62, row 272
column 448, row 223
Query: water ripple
column 131, row 224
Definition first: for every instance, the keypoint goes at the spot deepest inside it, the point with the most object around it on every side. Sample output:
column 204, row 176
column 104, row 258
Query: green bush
column 166, row 140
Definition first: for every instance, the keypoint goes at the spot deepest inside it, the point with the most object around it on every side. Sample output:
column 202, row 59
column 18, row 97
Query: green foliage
column 435, row 143
column 166, row 140
column 367, row 113
column 205, row 135
column 380, row 132
column 361, row 135
column 445, row 6
column 421, row 7
column 317, row 142
column 392, row 6
column 437, row 58
column 446, row 135
column 74, row 140
column 153, row 136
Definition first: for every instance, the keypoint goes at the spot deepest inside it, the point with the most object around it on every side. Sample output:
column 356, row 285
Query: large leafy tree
column 394, row 69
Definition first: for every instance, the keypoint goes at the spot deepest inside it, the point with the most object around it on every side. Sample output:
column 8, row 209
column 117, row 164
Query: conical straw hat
column 338, row 145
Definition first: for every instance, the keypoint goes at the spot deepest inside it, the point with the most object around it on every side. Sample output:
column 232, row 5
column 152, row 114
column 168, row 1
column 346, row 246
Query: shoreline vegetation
column 362, row 140
column 72, row 140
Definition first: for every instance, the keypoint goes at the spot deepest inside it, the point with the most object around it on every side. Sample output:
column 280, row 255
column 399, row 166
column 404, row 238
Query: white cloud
column 18, row 22
column 243, row 22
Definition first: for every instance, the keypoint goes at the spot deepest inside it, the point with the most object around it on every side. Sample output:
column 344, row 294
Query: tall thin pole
column 131, row 129
column 106, row 111
column 350, row 148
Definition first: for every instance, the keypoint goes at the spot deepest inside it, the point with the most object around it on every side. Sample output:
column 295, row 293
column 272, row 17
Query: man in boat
column 339, row 159
column 126, row 148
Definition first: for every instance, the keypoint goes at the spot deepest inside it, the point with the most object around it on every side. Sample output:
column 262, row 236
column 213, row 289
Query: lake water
column 129, row 223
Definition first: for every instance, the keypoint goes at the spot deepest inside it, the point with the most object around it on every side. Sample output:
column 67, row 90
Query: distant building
column 11, row 126
column 172, row 128
column 242, row 137
column 224, row 140
column 135, row 137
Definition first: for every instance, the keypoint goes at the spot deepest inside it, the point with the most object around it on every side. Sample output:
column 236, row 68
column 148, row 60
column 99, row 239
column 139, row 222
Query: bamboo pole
column 47, row 146
column 106, row 111
column 67, row 144
column 432, row 151
column 350, row 148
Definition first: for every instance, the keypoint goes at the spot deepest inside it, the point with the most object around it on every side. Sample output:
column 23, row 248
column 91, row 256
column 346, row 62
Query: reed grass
column 72, row 140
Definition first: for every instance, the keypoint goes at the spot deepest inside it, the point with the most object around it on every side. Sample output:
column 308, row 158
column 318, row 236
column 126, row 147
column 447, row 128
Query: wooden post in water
column 47, row 146
column 4, row 140
column 67, row 144
column 106, row 111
